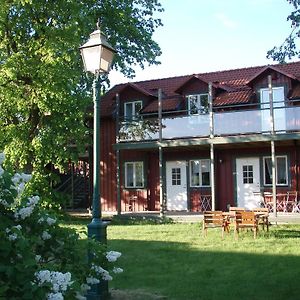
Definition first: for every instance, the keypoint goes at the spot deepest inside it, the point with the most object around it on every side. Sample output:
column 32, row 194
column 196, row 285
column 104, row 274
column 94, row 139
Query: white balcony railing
column 224, row 123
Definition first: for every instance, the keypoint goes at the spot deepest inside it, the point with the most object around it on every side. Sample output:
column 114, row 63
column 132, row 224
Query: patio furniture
column 205, row 202
column 268, row 201
column 131, row 203
column 234, row 209
column 281, row 200
column 215, row 219
column 245, row 219
column 262, row 214
column 291, row 202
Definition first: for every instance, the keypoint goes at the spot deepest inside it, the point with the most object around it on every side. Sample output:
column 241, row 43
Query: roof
column 166, row 104
column 234, row 85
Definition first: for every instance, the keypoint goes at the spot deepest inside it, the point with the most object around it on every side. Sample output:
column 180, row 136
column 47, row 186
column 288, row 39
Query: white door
column 176, row 185
column 279, row 109
column 248, row 182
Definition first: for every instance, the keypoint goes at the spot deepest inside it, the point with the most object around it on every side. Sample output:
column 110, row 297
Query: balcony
column 241, row 121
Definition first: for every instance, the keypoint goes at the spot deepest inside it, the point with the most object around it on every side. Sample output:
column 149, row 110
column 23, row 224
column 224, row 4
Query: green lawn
column 175, row 261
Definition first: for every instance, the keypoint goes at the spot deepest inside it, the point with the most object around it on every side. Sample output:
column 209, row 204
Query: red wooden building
column 203, row 141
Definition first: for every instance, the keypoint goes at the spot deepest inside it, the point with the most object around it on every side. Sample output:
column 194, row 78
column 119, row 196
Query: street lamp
column 97, row 55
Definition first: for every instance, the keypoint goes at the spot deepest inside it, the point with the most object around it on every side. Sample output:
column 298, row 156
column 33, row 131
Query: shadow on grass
column 179, row 272
column 287, row 233
column 140, row 220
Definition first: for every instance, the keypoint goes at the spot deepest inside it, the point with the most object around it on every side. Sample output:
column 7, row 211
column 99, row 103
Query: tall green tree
column 288, row 48
column 43, row 91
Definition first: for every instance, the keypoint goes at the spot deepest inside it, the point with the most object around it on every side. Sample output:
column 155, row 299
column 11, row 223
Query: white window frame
column 286, row 170
column 135, row 186
column 200, row 172
column 201, row 108
column 134, row 113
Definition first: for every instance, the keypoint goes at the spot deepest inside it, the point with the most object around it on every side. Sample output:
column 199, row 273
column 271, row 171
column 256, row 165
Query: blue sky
column 213, row 35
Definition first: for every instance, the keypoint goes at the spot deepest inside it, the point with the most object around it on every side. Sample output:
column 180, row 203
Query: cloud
column 225, row 20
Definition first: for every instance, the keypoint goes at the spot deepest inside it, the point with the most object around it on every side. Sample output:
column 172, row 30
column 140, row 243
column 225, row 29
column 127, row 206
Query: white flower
column 46, row 235
column 100, row 271
column 19, row 227
column 23, row 213
column 78, row 296
column 55, row 296
column 92, row 280
column 113, row 255
column 43, row 276
column 26, row 177
column 33, row 200
column 117, row 270
column 7, row 230
column 84, row 288
column 50, row 221
column 16, row 178
column 2, row 158
column 4, row 203
column 59, row 281
column 12, row 237
column 38, row 258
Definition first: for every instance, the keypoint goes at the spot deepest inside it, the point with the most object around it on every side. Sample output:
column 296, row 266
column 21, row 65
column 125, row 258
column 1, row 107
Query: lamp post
column 97, row 55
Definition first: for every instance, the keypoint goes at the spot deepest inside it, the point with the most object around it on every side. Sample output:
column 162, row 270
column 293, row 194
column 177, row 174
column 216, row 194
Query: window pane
column 137, row 107
column 268, row 170
column 194, row 104
column 204, row 104
column 195, row 173
column 139, row 172
column 176, row 176
column 129, row 175
column 205, row 171
column 128, row 111
column 281, row 170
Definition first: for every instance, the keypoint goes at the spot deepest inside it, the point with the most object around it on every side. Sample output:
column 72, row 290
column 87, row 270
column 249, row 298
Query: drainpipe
column 162, row 206
column 212, row 158
column 119, row 209
column 272, row 146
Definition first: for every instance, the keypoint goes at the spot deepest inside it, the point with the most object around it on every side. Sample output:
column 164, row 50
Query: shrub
column 38, row 258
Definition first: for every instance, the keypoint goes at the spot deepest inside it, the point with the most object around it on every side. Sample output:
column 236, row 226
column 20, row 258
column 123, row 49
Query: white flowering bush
column 39, row 259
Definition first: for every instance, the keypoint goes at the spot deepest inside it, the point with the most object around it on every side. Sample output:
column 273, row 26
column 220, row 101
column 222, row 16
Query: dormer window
column 132, row 109
column 197, row 104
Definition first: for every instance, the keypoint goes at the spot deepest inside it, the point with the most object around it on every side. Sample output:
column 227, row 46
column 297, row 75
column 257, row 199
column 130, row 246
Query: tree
column 288, row 48
column 43, row 91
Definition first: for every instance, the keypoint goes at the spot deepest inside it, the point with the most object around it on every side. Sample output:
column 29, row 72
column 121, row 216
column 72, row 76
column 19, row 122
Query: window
column 134, row 174
column 200, row 173
column 281, row 170
column 198, row 104
column 247, row 174
column 176, row 176
column 132, row 109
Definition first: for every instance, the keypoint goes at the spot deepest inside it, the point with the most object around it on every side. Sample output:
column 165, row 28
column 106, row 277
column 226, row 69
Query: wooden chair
column 291, row 202
column 215, row 219
column 234, row 209
column 268, row 201
column 245, row 219
column 262, row 214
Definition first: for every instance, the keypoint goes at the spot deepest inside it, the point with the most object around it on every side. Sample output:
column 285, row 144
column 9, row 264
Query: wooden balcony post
column 273, row 157
column 162, row 206
column 119, row 209
column 212, row 157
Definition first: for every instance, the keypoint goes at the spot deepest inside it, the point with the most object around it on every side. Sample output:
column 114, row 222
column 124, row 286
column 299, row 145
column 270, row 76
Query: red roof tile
column 167, row 105
column 237, row 97
column 233, row 81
